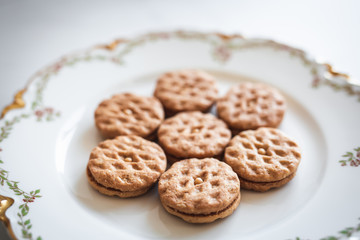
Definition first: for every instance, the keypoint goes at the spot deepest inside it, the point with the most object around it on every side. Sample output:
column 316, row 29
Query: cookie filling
column 170, row 113
column 209, row 214
column 172, row 159
column 152, row 136
column 102, row 186
column 264, row 183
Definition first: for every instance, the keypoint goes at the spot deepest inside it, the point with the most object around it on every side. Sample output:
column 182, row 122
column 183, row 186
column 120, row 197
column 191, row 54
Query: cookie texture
column 186, row 90
column 265, row 156
column 200, row 190
column 250, row 106
column 193, row 135
column 129, row 114
column 125, row 166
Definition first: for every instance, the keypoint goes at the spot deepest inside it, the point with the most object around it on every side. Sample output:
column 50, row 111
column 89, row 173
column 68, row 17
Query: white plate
column 45, row 145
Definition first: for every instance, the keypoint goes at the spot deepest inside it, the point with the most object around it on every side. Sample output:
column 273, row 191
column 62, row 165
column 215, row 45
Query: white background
column 35, row 33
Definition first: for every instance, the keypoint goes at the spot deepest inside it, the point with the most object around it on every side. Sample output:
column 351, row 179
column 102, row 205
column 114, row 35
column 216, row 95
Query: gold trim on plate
column 17, row 103
column 334, row 73
column 5, row 203
column 112, row 46
column 349, row 80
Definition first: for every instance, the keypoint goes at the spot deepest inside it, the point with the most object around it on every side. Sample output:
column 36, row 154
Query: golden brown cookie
column 200, row 190
column 186, row 90
column 264, row 158
column 193, row 135
column 126, row 166
column 129, row 114
column 250, row 106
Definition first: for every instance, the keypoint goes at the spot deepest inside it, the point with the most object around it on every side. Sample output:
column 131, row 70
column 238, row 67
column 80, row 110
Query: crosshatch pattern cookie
column 264, row 158
column 193, row 134
column 250, row 106
column 200, row 190
column 126, row 166
column 129, row 114
column 186, row 90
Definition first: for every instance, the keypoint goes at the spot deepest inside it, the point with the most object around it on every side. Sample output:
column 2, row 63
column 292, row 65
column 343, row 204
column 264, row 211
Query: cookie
column 250, row 106
column 200, row 190
column 129, row 114
column 126, row 166
column 186, row 90
column 193, row 135
column 264, row 158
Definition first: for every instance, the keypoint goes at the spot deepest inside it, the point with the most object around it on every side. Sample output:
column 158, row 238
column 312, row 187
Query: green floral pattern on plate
column 351, row 158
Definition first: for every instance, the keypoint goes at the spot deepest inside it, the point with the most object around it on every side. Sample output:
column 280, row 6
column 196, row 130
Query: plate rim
column 328, row 74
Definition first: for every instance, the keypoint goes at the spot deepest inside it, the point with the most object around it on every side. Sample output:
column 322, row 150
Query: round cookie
column 200, row 190
column 126, row 166
column 193, row 135
column 129, row 114
column 264, row 158
column 250, row 106
column 186, row 90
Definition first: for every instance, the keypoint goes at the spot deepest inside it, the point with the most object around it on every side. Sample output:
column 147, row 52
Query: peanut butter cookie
column 200, row 191
column 193, row 135
column 129, row 114
column 186, row 90
column 126, row 166
column 250, row 106
column 264, row 158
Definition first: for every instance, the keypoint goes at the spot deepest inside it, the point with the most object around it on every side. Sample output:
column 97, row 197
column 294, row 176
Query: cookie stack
column 208, row 167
